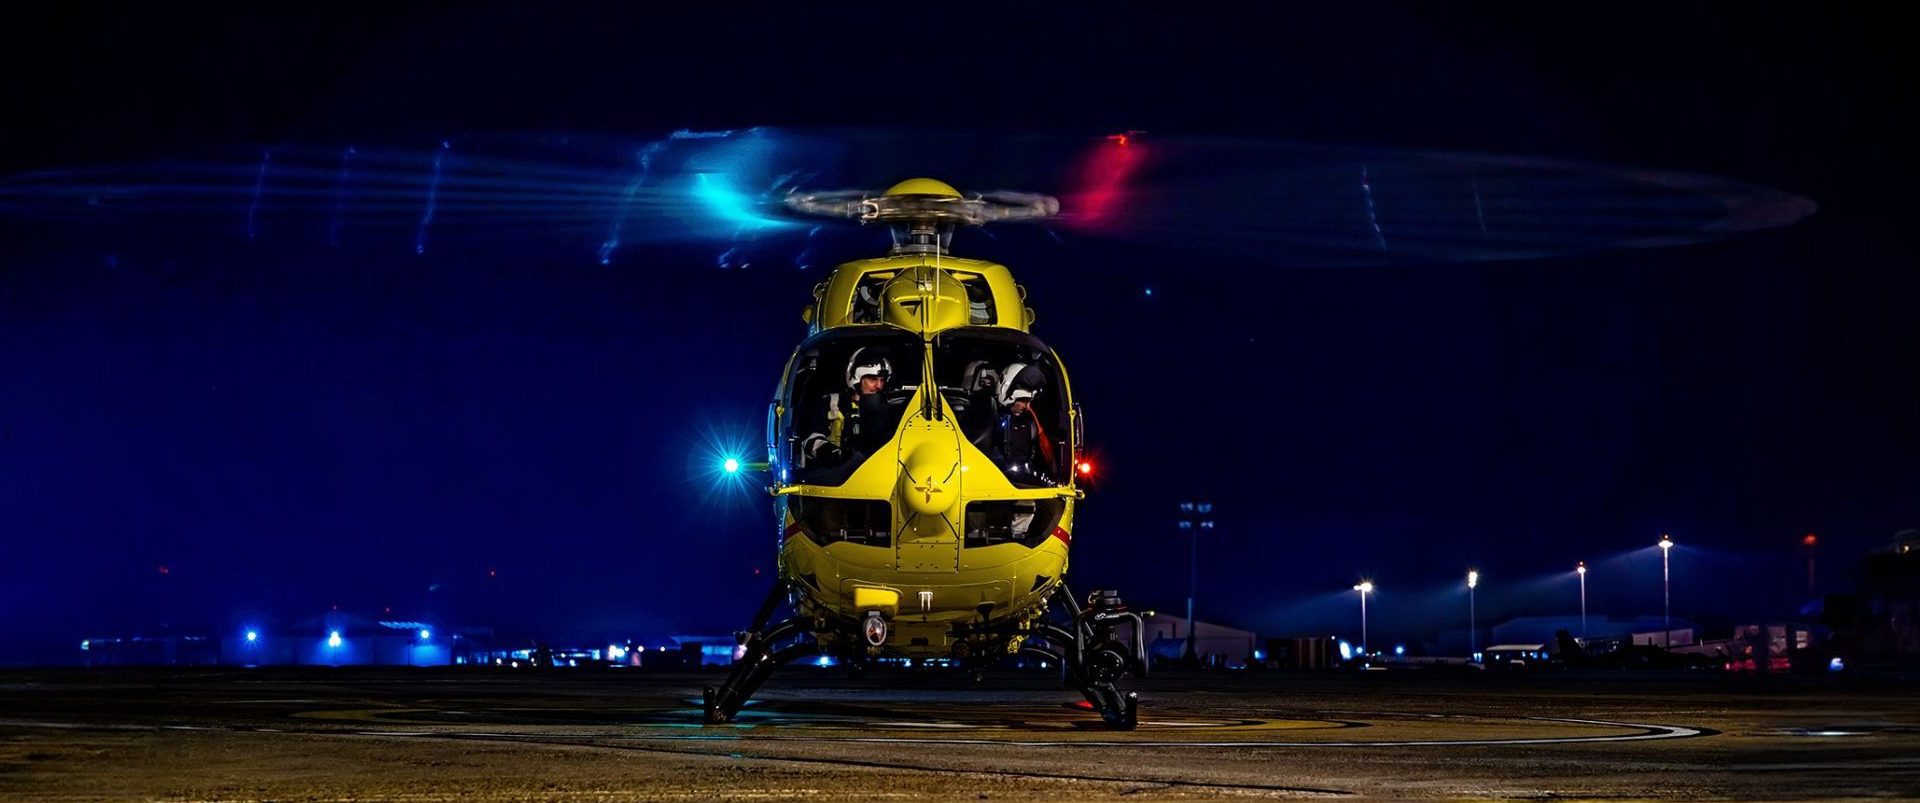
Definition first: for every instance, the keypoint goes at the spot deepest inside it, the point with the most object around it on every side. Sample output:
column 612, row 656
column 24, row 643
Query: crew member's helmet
column 1019, row 382
column 865, row 363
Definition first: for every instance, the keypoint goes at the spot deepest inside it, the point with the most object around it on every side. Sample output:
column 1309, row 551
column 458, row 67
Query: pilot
column 851, row 425
column 1019, row 441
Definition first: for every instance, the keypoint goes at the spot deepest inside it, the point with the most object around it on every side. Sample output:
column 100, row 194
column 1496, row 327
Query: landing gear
column 1088, row 646
column 1095, row 658
column 767, row 649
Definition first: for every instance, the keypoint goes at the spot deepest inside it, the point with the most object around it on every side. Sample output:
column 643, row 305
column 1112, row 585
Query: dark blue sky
column 287, row 427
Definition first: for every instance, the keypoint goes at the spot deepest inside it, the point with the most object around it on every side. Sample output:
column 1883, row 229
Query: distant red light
column 165, row 570
column 1810, row 540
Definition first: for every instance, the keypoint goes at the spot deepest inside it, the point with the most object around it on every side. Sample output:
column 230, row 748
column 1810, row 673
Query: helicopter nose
column 931, row 480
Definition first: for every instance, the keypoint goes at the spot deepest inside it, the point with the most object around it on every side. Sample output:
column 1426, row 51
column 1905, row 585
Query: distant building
column 342, row 639
column 1546, row 629
column 1518, row 657
column 1215, row 645
column 163, row 650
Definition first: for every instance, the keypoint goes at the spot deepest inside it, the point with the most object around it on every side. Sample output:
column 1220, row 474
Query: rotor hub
column 923, row 211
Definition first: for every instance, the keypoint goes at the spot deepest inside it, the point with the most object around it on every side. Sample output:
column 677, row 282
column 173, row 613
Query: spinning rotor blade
column 1258, row 201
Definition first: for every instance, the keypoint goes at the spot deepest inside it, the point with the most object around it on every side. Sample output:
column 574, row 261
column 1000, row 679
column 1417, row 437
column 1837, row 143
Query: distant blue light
column 253, row 636
column 1399, row 649
column 1836, row 664
column 87, row 644
column 333, row 639
column 1346, row 651
column 1149, row 292
column 824, row 661
column 425, row 634
column 1259, row 655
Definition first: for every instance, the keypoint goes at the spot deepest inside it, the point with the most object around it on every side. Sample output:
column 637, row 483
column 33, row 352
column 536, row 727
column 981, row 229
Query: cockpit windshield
column 845, row 398
column 1005, row 389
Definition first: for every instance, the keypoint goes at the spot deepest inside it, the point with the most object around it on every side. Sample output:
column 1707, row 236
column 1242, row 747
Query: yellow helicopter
column 926, row 458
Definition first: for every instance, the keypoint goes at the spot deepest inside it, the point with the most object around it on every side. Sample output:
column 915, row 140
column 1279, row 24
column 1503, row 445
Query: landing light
column 876, row 629
column 732, row 465
column 333, row 639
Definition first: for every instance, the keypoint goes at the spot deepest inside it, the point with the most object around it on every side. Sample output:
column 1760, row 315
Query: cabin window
column 1014, row 521
column 832, row 521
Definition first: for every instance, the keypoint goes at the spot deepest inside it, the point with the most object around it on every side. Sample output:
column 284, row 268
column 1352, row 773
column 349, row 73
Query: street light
column 1666, row 588
column 1582, row 571
column 1473, row 619
column 1365, row 587
column 1194, row 517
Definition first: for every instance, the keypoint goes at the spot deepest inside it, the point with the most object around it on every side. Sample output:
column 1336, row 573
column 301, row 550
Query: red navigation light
column 1084, row 468
column 1810, row 540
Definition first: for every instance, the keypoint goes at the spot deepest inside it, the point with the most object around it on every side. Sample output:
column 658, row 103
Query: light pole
column 1365, row 587
column 1473, row 619
column 1582, row 571
column 1666, row 589
column 1194, row 517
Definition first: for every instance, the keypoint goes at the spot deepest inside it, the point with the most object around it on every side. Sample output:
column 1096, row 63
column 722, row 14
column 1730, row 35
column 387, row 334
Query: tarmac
column 593, row 735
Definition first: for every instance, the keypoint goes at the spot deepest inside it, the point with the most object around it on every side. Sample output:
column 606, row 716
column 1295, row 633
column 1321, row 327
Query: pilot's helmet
column 1020, row 382
column 867, row 362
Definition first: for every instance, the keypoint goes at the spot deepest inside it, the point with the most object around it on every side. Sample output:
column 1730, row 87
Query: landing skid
column 1086, row 645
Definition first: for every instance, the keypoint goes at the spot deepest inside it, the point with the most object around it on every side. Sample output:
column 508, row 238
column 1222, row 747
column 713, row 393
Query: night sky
column 510, row 433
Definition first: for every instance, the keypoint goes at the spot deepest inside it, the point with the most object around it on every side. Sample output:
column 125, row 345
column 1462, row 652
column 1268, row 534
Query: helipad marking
column 1648, row 732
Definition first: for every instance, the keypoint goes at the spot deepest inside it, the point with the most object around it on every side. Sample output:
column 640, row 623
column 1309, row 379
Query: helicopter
column 925, row 450
column 925, row 456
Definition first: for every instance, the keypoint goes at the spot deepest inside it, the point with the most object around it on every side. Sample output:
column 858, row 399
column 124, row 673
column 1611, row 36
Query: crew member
column 1019, row 441
column 851, row 425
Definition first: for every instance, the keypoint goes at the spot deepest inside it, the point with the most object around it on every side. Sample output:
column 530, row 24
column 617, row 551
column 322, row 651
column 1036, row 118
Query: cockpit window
column 869, row 298
column 1005, row 390
column 980, row 311
column 845, row 398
